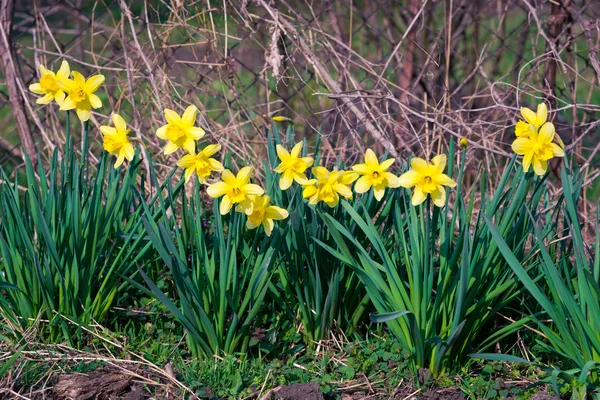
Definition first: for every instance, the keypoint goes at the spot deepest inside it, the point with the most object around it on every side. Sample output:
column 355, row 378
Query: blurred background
column 402, row 76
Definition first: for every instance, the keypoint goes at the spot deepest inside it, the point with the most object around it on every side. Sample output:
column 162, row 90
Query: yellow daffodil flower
column 537, row 149
column 235, row 190
column 292, row 166
column 201, row 163
column 180, row 131
column 533, row 121
column 429, row 179
column 116, row 142
column 329, row 186
column 375, row 175
column 463, row 143
column 80, row 94
column 49, row 84
column 263, row 214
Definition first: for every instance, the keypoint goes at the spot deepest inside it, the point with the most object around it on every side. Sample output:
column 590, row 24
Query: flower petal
column 189, row 116
column 392, row 180
column 64, row 71
column 371, row 159
column 83, row 112
column 443, row 179
column 527, row 160
column 95, row 101
column 439, row 196
column 68, row 104
column 253, row 189
column 522, row 145
column 120, row 159
column 195, row 132
column 45, row 100
column 541, row 115
column 162, row 132
column 419, row 165
column 285, row 180
column 418, row 196
column 172, row 117
column 108, row 130
column 226, row 204
column 211, row 149
column 439, row 163
column 171, row 148
column 276, row 213
column 363, row 184
column 268, row 224
column 378, row 192
column 320, row 172
column 282, row 153
column 362, row 169
column 190, row 146
column 78, row 78
column 546, row 134
column 296, row 150
column 245, row 174
column 217, row 189
column 188, row 174
column 93, row 82
column 386, row 164
column 343, row 190
column 129, row 151
column 529, row 115
column 60, row 97
column 37, row 88
column 348, row 177
column 409, row 179
column 539, row 166
column 558, row 151
column 119, row 123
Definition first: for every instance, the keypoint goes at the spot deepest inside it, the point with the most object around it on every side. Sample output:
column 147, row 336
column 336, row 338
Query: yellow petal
column 439, row 162
column 296, row 150
column 522, row 129
column 78, row 78
column 120, row 159
column 93, row 82
column 286, row 180
column 195, row 132
column 37, row 88
column 172, row 117
column 558, row 151
column 45, row 100
column 276, row 213
column 309, row 191
column 409, row 179
column 386, row 164
column 217, row 189
column 188, row 174
column 108, row 130
column 392, row 180
column 162, row 132
column 225, row 206
column 539, row 166
column 320, row 172
column 186, row 161
column 378, row 192
column 189, row 116
column 419, row 165
column 95, row 101
column 282, row 153
column 541, row 115
column 68, row 104
column 546, row 134
column 268, row 224
column 418, row 196
column 362, row 169
column 119, row 123
column 343, row 190
column 83, row 112
column 228, row 177
column 171, row 148
column 215, row 165
column 522, row 145
column 439, row 196
column 363, row 185
column 245, row 174
column 443, row 179
column 300, row 178
column 190, row 146
column 371, row 159
column 211, row 149
column 527, row 160
column 60, row 97
column 64, row 71
column 529, row 115
column 129, row 151
column 308, row 161
column 253, row 189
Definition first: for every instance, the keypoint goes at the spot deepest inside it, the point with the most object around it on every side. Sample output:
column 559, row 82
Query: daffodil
column 281, row 119
column 80, row 94
column 428, row 179
column 537, row 149
column 533, row 120
column 235, row 190
column 292, row 166
column 263, row 214
column 375, row 175
column 180, row 131
column 115, row 140
column 49, row 84
column 329, row 186
column 201, row 163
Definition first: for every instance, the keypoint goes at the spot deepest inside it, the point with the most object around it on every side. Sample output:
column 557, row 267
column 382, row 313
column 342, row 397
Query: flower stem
column 84, row 147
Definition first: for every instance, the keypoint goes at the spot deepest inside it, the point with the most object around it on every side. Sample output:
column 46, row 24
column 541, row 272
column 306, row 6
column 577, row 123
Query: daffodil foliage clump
column 300, row 243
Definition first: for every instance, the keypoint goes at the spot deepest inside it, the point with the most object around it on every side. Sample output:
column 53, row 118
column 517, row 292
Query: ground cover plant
column 161, row 260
